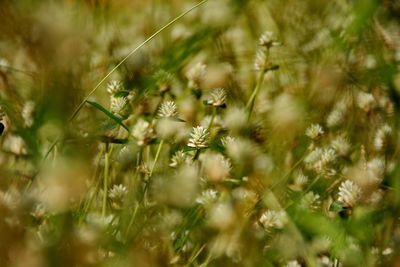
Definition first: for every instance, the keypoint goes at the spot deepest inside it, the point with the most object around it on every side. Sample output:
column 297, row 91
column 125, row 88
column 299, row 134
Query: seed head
column 199, row 137
column 167, row 110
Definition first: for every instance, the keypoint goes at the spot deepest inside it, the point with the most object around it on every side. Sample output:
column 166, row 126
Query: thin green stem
column 214, row 113
column 105, row 181
column 157, row 156
column 80, row 106
column 250, row 103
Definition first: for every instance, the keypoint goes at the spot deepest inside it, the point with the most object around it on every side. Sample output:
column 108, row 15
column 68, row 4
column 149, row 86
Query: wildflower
column 218, row 97
column 273, row 219
column 143, row 132
column 349, row 193
column 227, row 139
column 314, row 131
column 268, row 40
column 207, row 197
column 365, row 101
column 196, row 75
column 114, row 87
column 341, row 145
column 15, row 144
column 27, row 113
column 167, row 110
column 221, row 215
column 216, row 166
column 199, row 137
column 120, row 106
column 117, row 194
column 337, row 115
column 261, row 61
column 178, row 158
column 382, row 136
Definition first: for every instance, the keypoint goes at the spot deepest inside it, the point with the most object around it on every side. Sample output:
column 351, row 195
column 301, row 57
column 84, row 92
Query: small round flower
column 349, row 193
column 167, row 110
column 196, row 75
column 28, row 113
column 143, row 132
column 381, row 137
column 293, row 263
column 310, row 201
column 199, row 137
column 365, row 101
column 117, row 194
column 314, row 131
column 268, row 39
column 120, row 106
column 207, row 197
column 341, row 145
column 114, row 87
column 273, row 219
column 218, row 97
column 261, row 62
column 178, row 158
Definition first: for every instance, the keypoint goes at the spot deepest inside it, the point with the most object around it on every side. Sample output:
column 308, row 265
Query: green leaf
column 109, row 114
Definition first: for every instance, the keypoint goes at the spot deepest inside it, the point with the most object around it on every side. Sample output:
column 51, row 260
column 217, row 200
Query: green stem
column 250, row 103
column 105, row 181
column 214, row 113
column 157, row 156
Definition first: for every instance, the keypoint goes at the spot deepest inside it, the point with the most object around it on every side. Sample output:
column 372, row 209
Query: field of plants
column 199, row 133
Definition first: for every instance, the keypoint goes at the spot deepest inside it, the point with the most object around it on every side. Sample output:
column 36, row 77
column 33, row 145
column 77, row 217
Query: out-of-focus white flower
column 207, row 197
column 341, row 145
column 168, row 110
column 221, row 216
column 314, row 131
column 14, row 144
column 272, row 219
column 218, row 97
column 216, row 166
column 143, row 132
column 28, row 112
column 310, row 201
column 268, row 39
column 365, row 101
column 178, row 158
column 349, row 193
column 198, row 137
column 196, row 75
column 381, row 137
column 117, row 194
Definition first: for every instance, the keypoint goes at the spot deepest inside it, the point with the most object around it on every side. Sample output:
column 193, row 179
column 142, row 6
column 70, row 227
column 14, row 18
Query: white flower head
column 268, row 39
column 168, row 110
column 293, row 263
column 207, row 197
column 196, row 75
column 114, row 87
column 28, row 113
column 381, row 137
column 314, row 131
column 218, row 97
column 365, row 101
column 260, row 62
column 349, row 193
column 118, row 192
column 142, row 131
column 199, row 137
column 178, row 158
column 341, row 145
column 120, row 106
column 273, row 219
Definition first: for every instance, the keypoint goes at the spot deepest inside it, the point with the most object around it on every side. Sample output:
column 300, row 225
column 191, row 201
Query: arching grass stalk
column 80, row 106
column 157, row 156
column 105, row 181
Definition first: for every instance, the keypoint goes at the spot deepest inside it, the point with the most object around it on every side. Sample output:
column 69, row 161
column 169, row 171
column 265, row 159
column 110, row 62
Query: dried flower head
column 349, row 193
column 114, row 87
column 314, row 131
column 168, row 110
column 178, row 158
column 199, row 137
column 218, row 97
